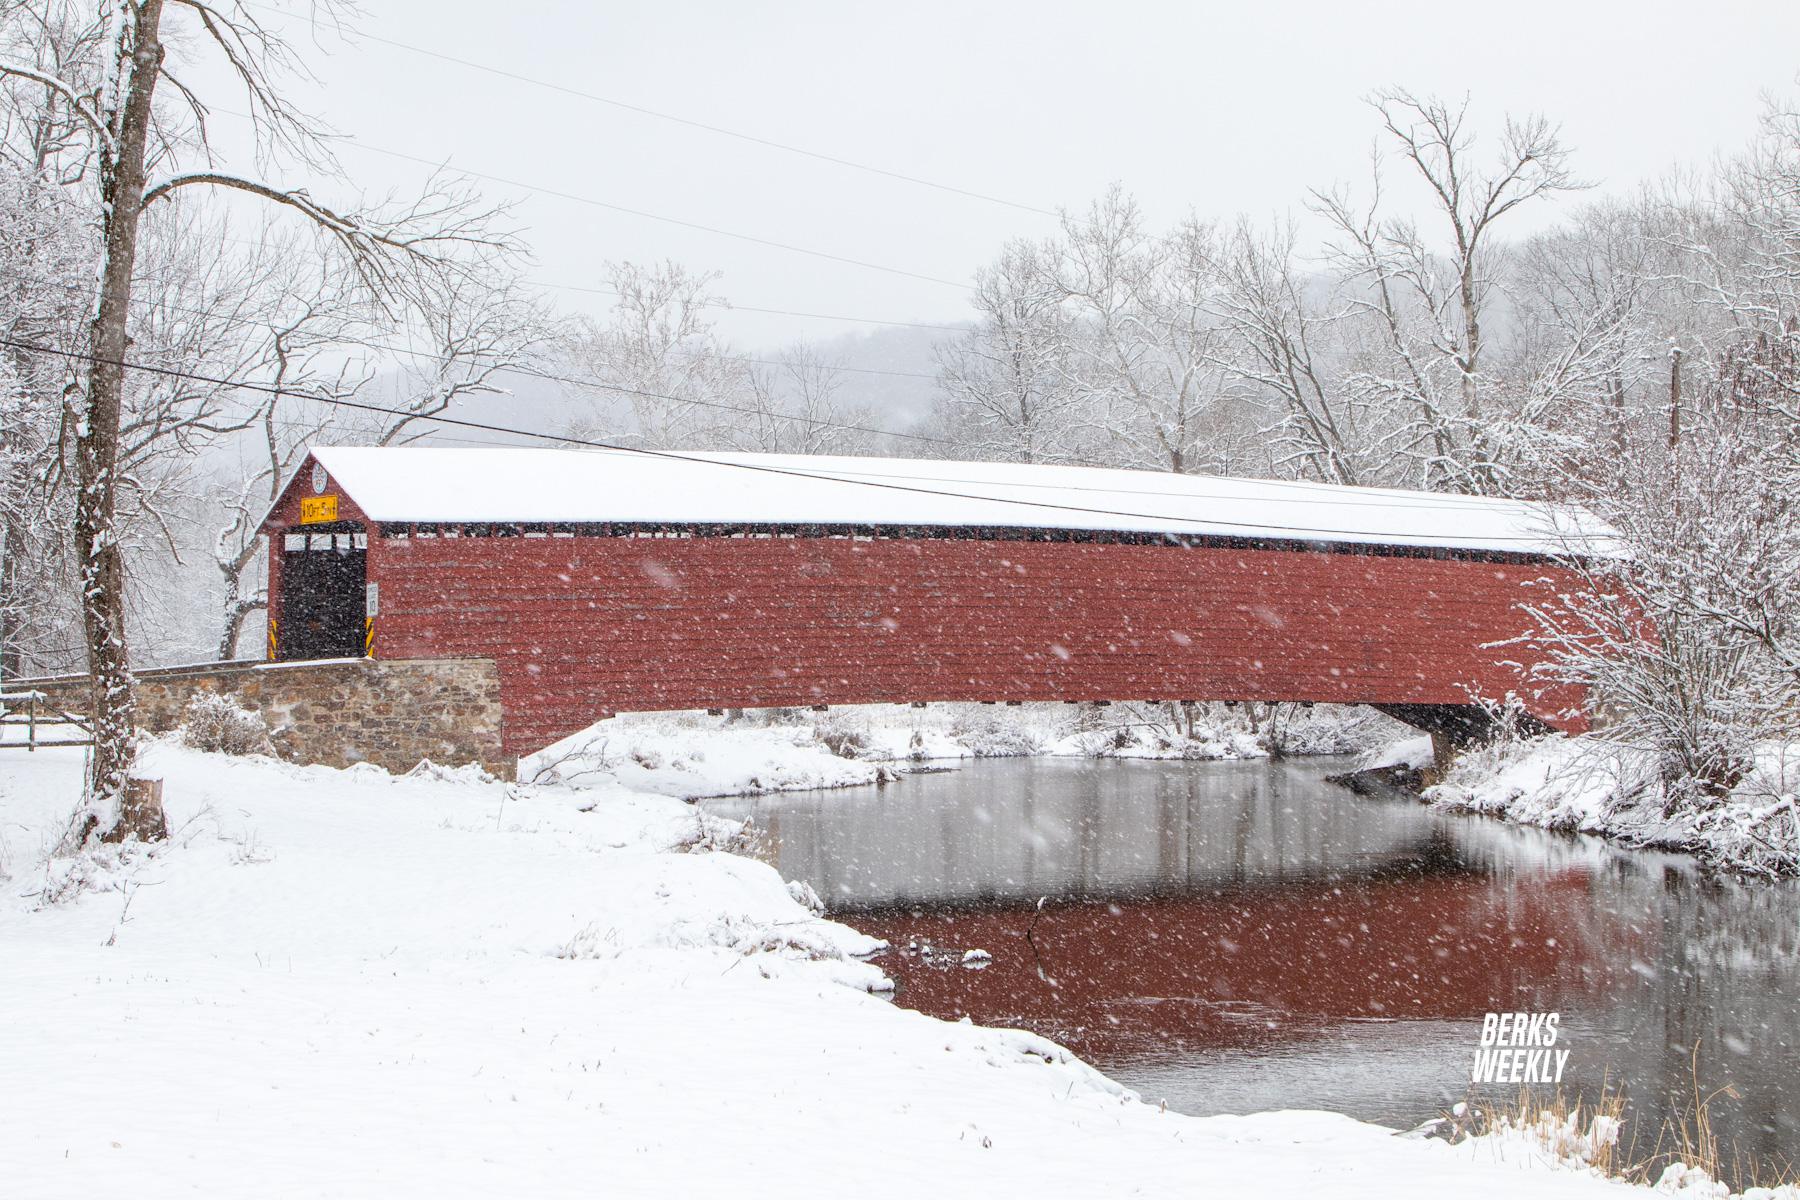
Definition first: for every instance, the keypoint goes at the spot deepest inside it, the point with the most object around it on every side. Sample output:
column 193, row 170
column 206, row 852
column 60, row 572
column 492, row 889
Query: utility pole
column 1674, row 396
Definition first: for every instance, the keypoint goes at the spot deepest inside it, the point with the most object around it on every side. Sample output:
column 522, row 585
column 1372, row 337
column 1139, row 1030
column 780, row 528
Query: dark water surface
column 1235, row 937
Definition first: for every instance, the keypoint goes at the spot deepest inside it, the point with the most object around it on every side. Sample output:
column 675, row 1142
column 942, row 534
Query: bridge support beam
column 1454, row 728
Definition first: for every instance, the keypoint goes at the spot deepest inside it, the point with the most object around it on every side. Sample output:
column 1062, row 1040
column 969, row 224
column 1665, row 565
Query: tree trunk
column 11, row 617
column 1674, row 398
column 97, row 447
column 141, row 815
column 1619, row 442
column 1472, row 344
column 237, row 611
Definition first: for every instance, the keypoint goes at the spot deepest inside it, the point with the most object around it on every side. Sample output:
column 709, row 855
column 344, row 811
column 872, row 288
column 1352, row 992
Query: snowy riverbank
column 691, row 754
column 1588, row 785
column 345, row 983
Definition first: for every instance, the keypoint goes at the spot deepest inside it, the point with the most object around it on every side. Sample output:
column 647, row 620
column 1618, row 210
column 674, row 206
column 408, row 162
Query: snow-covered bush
column 214, row 723
column 720, row 835
column 1336, row 729
column 1688, row 635
column 1592, row 784
column 991, row 733
column 469, row 773
column 842, row 740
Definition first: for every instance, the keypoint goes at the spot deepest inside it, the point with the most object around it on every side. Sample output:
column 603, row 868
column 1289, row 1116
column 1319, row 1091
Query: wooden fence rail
column 37, row 711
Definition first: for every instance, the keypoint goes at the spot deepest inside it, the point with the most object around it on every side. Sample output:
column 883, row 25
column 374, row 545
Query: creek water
column 1242, row 936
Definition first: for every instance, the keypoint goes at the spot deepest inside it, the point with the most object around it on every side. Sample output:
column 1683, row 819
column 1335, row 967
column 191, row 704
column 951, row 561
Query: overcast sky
column 1222, row 108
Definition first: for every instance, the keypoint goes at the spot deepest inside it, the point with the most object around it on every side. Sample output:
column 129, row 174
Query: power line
column 759, row 468
column 535, row 189
column 721, row 130
column 1340, row 494
column 538, row 190
column 778, row 312
column 597, row 384
column 718, row 302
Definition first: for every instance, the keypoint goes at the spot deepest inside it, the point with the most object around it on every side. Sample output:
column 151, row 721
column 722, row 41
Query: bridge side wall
column 336, row 712
column 582, row 627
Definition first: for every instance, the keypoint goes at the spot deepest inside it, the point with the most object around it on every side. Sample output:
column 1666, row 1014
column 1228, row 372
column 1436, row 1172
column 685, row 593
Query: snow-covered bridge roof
column 528, row 485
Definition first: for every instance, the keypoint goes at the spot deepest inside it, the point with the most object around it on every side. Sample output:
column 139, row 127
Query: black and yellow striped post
column 274, row 645
column 368, row 637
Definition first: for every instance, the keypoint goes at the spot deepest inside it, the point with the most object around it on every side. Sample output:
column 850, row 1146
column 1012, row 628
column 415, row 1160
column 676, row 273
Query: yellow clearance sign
column 315, row 510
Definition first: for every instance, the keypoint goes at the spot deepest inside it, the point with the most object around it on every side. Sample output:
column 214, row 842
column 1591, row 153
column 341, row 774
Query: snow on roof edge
column 531, row 484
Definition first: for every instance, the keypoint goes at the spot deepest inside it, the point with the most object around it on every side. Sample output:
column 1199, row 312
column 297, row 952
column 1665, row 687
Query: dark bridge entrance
column 324, row 572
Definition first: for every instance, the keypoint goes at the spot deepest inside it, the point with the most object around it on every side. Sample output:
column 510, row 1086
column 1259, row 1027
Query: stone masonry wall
column 335, row 713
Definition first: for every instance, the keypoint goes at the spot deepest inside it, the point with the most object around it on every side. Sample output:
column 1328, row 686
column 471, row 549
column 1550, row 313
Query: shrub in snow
column 591, row 941
column 1594, row 785
column 744, row 933
column 214, row 723
column 96, row 868
column 249, row 851
column 989, row 734
column 804, row 895
column 1688, row 637
column 842, row 740
column 718, row 835
column 473, row 773
column 1339, row 729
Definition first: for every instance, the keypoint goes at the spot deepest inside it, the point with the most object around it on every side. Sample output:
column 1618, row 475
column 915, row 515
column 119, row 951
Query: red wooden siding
column 587, row 626
column 582, row 627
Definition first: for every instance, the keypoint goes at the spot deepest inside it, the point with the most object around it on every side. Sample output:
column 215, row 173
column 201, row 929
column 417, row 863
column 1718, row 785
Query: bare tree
column 294, row 342
column 1148, row 340
column 1746, row 264
column 657, row 373
column 1281, row 346
column 470, row 330
column 798, row 407
column 314, row 344
column 1422, row 302
column 47, row 273
column 138, row 147
column 1686, row 632
column 1008, row 389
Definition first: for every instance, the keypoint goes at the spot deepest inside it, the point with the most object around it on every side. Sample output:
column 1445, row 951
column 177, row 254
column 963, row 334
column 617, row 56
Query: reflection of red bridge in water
column 1216, row 970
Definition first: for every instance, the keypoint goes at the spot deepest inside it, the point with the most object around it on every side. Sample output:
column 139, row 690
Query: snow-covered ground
column 691, row 754
column 345, row 983
column 1414, row 752
column 1593, row 786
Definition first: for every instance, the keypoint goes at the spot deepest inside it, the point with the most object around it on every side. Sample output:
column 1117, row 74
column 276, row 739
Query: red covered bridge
column 605, row 582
